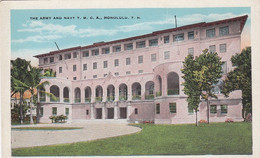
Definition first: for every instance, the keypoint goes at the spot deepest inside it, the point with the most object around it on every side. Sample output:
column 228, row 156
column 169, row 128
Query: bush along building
column 139, row 78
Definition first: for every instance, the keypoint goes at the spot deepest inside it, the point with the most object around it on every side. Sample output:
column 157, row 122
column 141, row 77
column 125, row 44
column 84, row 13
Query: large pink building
column 139, row 78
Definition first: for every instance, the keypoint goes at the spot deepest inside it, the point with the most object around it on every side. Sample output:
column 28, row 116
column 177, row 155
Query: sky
column 36, row 31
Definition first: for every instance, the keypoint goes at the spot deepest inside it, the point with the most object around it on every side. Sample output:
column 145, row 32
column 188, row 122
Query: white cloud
column 37, row 38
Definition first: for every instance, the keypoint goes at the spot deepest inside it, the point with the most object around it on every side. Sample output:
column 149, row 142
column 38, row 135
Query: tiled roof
column 242, row 20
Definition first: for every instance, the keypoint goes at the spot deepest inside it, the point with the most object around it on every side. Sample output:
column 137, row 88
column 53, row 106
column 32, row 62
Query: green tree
column 49, row 73
column 200, row 76
column 240, row 79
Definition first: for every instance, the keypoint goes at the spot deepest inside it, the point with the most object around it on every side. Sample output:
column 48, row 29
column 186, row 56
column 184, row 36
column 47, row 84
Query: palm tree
column 49, row 73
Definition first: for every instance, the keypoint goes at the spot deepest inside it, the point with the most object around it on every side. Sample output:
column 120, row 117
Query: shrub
column 248, row 117
column 228, row 120
column 59, row 118
column 203, row 121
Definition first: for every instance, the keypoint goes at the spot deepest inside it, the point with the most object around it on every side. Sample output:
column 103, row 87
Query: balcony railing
column 55, row 99
column 122, row 97
column 87, row 100
column 149, row 97
column 110, row 98
column 77, row 100
column 173, row 91
column 158, row 94
column 43, row 99
column 136, row 97
column 98, row 99
column 66, row 100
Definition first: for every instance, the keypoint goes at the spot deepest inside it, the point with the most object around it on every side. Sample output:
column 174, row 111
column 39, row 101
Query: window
column 85, row 53
column 95, row 65
column 117, row 48
column 128, row 61
column 191, row 35
column 74, row 67
column 140, row 59
column 51, row 59
column 217, row 88
column 153, row 57
column 67, row 56
column 60, row 69
column 95, row 52
column 136, row 111
column 167, row 55
column 129, row 46
column 172, row 107
column 153, row 42
column 157, row 108
column 116, row 62
column 116, row 73
column 60, row 57
column 224, row 67
column 105, row 51
column 222, row 48
column 128, row 72
column 45, row 60
column 179, row 37
column 223, row 109
column 41, row 111
column 67, row 111
column 190, row 110
column 212, row 48
column 94, row 76
column 74, row 78
column 166, row 39
column 54, row 111
column 87, row 112
column 75, row 55
column 105, row 75
column 140, row 71
column 85, row 67
column 213, row 109
column 104, row 64
column 210, row 33
column 140, row 44
column 191, row 51
column 224, row 31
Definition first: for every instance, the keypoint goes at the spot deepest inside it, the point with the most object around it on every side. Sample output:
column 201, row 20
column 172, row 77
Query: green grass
column 215, row 138
column 45, row 128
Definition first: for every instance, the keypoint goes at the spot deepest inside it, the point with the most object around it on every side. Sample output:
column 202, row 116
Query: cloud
column 37, row 38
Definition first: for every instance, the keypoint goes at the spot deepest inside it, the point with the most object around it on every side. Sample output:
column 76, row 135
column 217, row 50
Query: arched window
column 77, row 98
column 173, row 83
column 110, row 93
column 66, row 97
column 55, row 91
column 123, row 92
column 136, row 91
column 99, row 93
column 87, row 95
column 149, row 90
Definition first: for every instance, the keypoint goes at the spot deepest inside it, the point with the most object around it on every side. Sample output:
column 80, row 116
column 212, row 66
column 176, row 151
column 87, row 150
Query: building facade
column 139, row 78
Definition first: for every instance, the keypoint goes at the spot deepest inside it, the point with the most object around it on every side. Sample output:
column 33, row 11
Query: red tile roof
column 242, row 20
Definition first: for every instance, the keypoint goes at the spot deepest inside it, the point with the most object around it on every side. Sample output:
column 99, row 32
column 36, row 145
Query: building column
column 116, row 94
column 103, row 112
column 164, row 85
column 115, row 110
column 71, row 93
column 128, row 110
column 92, row 111
column 142, row 91
column 104, row 97
column 47, row 89
column 129, row 92
column 93, row 95
column 61, row 95
column 82, row 95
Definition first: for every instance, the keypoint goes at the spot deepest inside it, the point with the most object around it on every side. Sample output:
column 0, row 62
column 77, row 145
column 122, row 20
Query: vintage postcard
column 125, row 80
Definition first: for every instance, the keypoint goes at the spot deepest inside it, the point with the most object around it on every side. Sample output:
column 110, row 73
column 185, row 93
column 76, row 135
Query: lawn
column 45, row 128
column 215, row 138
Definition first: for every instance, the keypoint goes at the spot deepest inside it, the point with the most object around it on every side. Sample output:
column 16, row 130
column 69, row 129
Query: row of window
column 55, row 111
column 223, row 109
column 172, row 108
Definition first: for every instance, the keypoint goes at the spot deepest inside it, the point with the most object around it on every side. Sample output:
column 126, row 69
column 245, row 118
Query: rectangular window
column 74, row 78
column 51, row 59
column 95, row 52
column 223, row 109
column 85, row 67
column 116, row 62
column 105, row 51
column 140, row 44
column 136, row 111
column 212, row 48
column 224, row 67
column 60, row 69
column 190, row 110
column 60, row 57
column 116, row 73
column 172, row 107
column 94, row 76
column 104, row 64
column 191, row 51
column 166, row 39
column 74, row 54
column 213, row 109
column 224, row 31
column 210, row 33
column 85, row 53
column 128, row 72
column 54, row 111
column 167, row 55
column 157, row 108
column 222, row 48
column 41, row 111
column 153, row 42
column 67, row 56
column 140, row 71
column 45, row 60
column 140, row 59
column 153, row 57
column 179, row 37
column 87, row 112
column 67, row 111
column 129, row 46
column 117, row 48
column 74, row 67
column 95, row 65
column 128, row 61
column 191, row 35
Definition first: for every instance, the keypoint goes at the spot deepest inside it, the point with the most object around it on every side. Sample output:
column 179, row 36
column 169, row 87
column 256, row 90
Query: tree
column 200, row 75
column 49, row 73
column 240, row 79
